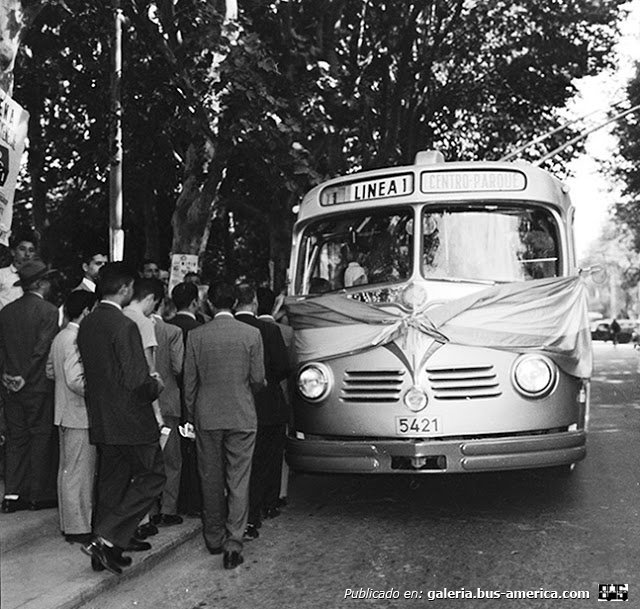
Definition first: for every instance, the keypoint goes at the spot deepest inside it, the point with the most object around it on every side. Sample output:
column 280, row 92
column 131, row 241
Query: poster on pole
column 14, row 122
column 181, row 264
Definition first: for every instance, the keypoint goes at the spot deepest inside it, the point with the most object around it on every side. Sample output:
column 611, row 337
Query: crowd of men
column 129, row 406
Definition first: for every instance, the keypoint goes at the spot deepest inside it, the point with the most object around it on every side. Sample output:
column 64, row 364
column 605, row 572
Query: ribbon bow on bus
column 547, row 315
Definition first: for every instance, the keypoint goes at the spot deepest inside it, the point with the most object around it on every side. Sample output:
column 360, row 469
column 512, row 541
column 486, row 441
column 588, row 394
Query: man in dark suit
column 271, row 409
column 119, row 392
column 278, row 482
column 223, row 365
column 186, row 298
column 27, row 328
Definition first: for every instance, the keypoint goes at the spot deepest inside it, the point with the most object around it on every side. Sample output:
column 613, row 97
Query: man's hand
column 12, row 383
column 158, row 378
column 187, row 431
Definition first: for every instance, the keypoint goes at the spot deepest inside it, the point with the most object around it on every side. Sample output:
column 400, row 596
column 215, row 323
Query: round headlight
column 534, row 375
column 314, row 381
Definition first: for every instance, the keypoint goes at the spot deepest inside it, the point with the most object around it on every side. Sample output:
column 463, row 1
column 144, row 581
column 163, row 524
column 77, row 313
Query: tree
column 235, row 120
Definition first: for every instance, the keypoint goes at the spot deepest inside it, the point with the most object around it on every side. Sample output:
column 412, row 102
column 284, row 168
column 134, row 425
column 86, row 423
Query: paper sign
column 14, row 122
column 181, row 264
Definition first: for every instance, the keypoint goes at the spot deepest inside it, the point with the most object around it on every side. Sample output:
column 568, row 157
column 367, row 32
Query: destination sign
column 368, row 190
column 471, row 181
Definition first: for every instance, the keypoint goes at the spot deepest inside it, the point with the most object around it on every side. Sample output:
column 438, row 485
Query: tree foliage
column 226, row 125
column 627, row 168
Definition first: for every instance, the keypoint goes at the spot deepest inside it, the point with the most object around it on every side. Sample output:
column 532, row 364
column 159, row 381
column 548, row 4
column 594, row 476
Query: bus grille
column 379, row 386
column 464, row 382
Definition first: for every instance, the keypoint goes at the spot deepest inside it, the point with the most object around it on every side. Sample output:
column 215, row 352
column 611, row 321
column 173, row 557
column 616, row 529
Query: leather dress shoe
column 123, row 561
column 146, row 530
column 232, row 559
column 13, row 505
column 104, row 555
column 251, row 533
column 135, row 545
column 218, row 550
column 167, row 520
column 34, row 506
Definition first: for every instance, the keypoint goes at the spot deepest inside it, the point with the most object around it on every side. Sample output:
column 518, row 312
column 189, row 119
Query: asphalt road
column 517, row 531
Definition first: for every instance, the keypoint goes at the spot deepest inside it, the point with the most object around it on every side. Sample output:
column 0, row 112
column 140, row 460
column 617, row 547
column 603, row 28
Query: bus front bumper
column 387, row 456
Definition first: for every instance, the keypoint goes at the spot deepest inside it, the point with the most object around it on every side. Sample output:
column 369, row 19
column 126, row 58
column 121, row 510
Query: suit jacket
column 224, row 363
column 64, row 367
column 27, row 328
column 185, row 323
column 169, row 357
column 271, row 406
column 119, row 389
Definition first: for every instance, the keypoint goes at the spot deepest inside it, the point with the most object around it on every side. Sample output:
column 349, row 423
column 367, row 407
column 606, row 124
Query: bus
column 440, row 322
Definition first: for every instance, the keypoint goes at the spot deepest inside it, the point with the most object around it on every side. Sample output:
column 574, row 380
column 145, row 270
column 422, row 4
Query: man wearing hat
column 27, row 328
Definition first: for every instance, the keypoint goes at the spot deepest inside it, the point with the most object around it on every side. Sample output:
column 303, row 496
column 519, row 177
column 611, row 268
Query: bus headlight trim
column 534, row 375
column 314, row 381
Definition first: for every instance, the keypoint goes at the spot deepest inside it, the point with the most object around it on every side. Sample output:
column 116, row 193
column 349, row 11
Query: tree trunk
column 194, row 206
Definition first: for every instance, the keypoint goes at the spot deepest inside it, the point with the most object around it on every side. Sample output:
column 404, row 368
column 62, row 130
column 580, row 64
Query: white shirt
column 110, row 302
column 88, row 284
column 354, row 275
column 9, row 292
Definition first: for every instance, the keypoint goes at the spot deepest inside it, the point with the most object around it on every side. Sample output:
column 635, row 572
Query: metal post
column 116, row 234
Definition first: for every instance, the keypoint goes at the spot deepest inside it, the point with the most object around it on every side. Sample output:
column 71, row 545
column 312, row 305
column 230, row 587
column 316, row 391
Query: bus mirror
column 597, row 273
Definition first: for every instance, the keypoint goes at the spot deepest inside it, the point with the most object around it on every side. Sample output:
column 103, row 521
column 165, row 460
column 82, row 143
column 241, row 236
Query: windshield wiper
column 460, row 280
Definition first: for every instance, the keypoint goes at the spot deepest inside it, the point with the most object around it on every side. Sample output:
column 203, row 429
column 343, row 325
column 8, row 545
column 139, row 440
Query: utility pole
column 116, row 234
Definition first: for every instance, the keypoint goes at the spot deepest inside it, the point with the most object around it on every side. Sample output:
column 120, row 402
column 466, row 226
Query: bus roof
column 436, row 182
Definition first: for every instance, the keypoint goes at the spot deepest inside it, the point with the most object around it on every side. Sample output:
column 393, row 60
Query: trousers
column 130, row 480
column 224, row 461
column 76, row 478
column 31, row 462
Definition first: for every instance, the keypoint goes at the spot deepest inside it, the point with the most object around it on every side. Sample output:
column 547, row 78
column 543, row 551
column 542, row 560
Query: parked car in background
column 601, row 330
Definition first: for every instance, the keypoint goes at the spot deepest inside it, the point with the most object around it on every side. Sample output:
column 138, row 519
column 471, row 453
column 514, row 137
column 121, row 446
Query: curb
column 81, row 585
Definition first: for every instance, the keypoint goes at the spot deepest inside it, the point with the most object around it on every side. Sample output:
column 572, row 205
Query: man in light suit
column 27, row 328
column 77, row 467
column 223, row 366
column 119, row 393
column 169, row 358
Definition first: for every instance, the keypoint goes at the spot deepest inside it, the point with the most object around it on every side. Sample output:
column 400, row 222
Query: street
column 417, row 535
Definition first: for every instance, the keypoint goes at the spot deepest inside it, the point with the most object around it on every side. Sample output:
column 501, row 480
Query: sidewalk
column 40, row 570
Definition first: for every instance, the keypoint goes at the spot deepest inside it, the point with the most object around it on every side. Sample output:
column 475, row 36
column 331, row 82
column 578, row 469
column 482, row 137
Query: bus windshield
column 349, row 250
column 489, row 243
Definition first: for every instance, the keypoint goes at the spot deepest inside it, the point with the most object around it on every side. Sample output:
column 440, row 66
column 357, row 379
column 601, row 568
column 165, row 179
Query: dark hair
column 89, row 255
column 149, row 261
column 113, row 276
column 16, row 238
column 78, row 301
column 222, row 296
column 245, row 294
column 266, row 300
column 142, row 287
column 184, row 294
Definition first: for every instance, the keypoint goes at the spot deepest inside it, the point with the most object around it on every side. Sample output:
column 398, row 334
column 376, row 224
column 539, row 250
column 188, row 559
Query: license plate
column 418, row 426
